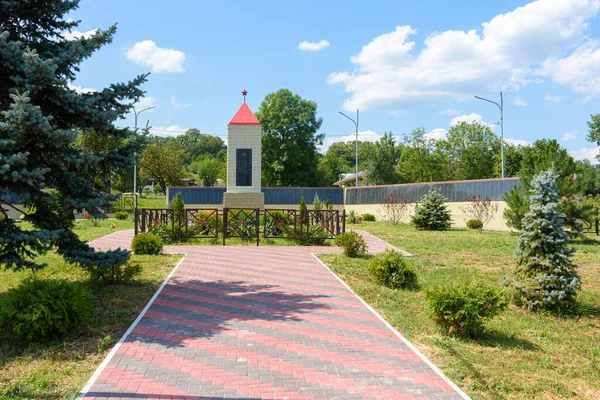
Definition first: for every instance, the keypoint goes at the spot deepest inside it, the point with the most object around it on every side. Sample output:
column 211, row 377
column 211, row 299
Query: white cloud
column 148, row 54
column 552, row 99
column 177, row 104
column 74, row 35
column 80, row 89
column 171, row 130
column 436, row 134
column 468, row 118
column 517, row 142
column 569, row 136
column 449, row 111
column 579, row 70
column 313, row 46
column 586, row 154
column 509, row 51
column 519, row 102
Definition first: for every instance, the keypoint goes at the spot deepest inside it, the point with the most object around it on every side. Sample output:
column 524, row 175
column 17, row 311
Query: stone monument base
column 244, row 200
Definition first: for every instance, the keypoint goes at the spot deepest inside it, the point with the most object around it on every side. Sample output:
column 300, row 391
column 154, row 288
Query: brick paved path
column 261, row 322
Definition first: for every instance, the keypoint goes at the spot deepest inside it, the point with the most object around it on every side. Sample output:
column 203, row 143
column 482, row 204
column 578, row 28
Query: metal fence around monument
column 247, row 224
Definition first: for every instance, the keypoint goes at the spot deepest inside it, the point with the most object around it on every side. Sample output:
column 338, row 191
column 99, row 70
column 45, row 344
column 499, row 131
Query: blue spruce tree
column 40, row 116
column 545, row 277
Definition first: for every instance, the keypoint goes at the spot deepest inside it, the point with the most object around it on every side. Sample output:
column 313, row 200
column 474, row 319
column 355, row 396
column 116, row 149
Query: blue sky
column 404, row 64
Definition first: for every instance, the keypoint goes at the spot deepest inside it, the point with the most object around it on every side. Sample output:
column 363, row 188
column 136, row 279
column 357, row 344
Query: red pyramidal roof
column 244, row 116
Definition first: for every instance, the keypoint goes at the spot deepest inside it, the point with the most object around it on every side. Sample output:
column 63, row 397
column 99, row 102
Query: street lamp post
column 356, row 125
column 501, row 107
column 135, row 115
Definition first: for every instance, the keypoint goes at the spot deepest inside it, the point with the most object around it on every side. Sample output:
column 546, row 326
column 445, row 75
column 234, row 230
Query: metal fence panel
column 458, row 191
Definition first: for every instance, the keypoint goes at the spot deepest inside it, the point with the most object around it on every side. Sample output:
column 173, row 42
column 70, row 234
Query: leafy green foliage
column 463, row 308
column 40, row 119
column 163, row 161
column 147, row 243
column 381, row 167
column 353, row 217
column 391, row 269
column 353, row 244
column 289, row 140
column 198, row 144
column 594, row 129
column 474, row 224
column 468, row 147
column 368, row 217
column 545, row 277
column 115, row 274
column 39, row 310
column 422, row 159
column 210, row 169
column 122, row 215
column 431, row 213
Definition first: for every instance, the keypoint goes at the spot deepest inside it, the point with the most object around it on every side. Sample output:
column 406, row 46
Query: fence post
column 224, row 224
column 257, row 225
column 344, row 221
column 143, row 221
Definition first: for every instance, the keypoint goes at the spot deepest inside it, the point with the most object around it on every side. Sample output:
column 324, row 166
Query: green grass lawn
column 152, row 201
column 60, row 369
column 522, row 355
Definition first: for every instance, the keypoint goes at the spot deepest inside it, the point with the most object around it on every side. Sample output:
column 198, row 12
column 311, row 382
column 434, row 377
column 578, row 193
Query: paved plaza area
column 272, row 322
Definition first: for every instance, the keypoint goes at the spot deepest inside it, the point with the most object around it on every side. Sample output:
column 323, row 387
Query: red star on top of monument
column 244, row 116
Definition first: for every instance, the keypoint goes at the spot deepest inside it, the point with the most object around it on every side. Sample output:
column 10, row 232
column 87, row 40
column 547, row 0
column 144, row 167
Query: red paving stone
column 264, row 322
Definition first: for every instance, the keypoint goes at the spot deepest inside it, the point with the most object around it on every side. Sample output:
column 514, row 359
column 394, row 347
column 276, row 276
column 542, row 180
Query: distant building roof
column 350, row 178
column 244, row 116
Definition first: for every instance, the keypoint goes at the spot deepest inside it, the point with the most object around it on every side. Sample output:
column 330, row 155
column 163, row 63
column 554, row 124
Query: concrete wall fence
column 457, row 191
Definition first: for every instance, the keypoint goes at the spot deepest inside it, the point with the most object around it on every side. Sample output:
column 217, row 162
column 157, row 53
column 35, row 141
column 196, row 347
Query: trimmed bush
column 352, row 243
column 368, row 217
column 121, row 215
column 41, row 309
column 475, row 224
column 116, row 273
column 392, row 270
column 462, row 309
column 147, row 243
column 431, row 214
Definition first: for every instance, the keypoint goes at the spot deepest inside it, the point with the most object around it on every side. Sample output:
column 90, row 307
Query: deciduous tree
column 290, row 139
column 163, row 161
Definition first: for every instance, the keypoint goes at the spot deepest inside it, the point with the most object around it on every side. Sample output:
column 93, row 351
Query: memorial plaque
column 243, row 167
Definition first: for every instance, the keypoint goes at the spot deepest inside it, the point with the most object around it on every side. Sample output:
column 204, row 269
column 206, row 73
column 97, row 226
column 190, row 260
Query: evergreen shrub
column 147, row 243
column 353, row 244
column 463, row 308
column 42, row 309
column 545, row 277
column 391, row 269
column 431, row 213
